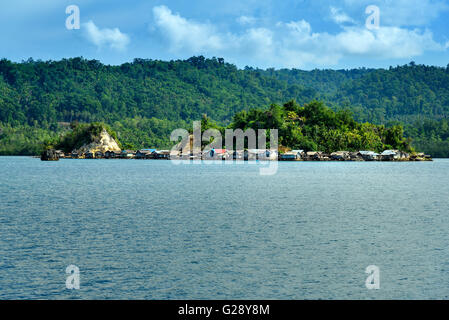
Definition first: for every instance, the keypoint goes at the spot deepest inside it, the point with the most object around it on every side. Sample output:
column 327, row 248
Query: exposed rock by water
column 102, row 144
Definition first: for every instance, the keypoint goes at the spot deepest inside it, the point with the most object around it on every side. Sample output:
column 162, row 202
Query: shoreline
column 240, row 155
column 236, row 160
column 241, row 160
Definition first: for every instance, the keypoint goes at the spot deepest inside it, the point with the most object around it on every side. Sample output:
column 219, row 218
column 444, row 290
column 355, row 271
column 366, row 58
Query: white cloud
column 386, row 42
column 339, row 16
column 246, row 20
column 257, row 43
column 106, row 37
column 185, row 34
column 293, row 44
column 300, row 28
column 403, row 12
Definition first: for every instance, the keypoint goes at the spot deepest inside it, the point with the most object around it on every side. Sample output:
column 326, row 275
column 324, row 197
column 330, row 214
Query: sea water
column 139, row 229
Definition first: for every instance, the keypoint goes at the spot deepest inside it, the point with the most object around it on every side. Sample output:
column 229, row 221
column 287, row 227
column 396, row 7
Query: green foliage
column 430, row 136
column 144, row 99
column 88, row 91
column 315, row 127
column 136, row 133
column 24, row 139
column 405, row 93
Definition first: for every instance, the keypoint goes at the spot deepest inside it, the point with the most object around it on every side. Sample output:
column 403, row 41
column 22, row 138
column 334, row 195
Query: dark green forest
column 145, row 100
column 315, row 127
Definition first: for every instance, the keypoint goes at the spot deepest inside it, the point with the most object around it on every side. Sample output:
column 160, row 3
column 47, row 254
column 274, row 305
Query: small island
column 312, row 132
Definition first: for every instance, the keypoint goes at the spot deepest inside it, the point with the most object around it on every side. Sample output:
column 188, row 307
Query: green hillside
column 144, row 100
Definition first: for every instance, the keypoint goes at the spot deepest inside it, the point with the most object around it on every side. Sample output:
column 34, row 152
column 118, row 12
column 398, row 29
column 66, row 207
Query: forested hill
column 145, row 99
column 86, row 91
column 403, row 93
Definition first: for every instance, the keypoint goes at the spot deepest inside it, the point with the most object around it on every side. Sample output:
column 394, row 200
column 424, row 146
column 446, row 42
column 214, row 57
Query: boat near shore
column 50, row 155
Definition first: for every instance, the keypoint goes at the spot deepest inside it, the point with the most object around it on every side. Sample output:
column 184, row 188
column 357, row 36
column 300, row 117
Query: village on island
column 107, row 148
column 248, row 154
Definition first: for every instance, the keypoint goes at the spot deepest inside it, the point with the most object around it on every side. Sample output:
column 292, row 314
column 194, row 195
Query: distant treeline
column 145, row 100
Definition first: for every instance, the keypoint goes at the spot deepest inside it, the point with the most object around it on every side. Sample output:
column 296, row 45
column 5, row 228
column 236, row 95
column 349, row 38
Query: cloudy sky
column 303, row 34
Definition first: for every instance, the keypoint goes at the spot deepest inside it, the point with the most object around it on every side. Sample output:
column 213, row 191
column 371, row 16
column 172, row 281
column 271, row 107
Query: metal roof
column 389, row 153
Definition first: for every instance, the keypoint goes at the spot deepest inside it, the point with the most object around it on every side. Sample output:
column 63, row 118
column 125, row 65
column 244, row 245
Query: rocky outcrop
column 420, row 157
column 104, row 142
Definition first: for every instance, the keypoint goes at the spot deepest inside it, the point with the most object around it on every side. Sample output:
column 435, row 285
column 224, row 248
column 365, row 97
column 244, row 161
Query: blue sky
column 303, row 34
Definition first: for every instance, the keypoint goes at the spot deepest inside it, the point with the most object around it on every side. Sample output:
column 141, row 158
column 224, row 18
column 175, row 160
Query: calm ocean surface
column 155, row 230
